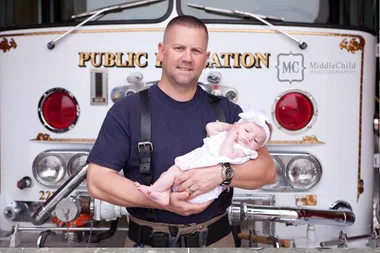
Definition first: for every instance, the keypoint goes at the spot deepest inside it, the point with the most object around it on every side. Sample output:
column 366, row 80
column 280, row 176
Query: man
column 180, row 110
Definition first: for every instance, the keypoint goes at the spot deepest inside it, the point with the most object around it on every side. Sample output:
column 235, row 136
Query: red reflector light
column 294, row 111
column 58, row 110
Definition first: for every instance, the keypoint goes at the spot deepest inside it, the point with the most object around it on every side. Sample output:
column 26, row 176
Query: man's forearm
column 256, row 173
column 127, row 197
column 117, row 190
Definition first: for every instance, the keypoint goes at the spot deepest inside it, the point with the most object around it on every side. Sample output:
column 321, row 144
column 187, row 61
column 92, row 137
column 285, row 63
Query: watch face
column 229, row 173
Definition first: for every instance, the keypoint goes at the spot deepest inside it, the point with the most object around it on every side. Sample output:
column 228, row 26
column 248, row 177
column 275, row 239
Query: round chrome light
column 303, row 172
column 49, row 169
column 76, row 162
column 280, row 167
column 135, row 77
column 214, row 77
column 231, row 96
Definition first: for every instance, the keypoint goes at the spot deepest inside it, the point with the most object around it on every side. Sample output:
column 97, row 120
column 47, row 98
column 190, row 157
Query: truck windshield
column 48, row 13
column 348, row 14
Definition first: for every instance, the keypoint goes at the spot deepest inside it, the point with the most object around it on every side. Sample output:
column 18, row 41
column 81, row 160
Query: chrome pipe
column 344, row 239
column 64, row 229
column 331, row 243
column 239, row 212
column 43, row 212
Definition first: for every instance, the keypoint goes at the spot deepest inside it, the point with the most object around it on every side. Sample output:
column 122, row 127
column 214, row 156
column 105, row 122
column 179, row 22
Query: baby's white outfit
column 208, row 155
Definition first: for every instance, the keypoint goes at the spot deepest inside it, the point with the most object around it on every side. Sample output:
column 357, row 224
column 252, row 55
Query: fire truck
column 310, row 65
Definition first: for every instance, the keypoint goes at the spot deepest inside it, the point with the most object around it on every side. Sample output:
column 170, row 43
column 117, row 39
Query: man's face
column 183, row 54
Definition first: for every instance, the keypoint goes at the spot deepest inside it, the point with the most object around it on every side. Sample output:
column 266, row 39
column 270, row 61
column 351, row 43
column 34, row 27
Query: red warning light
column 294, row 111
column 58, row 110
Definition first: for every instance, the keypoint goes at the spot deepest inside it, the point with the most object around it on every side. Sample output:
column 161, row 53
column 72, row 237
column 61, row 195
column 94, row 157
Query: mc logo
column 290, row 67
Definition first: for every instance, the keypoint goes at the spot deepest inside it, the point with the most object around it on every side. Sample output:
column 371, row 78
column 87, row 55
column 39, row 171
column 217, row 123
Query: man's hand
column 179, row 205
column 198, row 181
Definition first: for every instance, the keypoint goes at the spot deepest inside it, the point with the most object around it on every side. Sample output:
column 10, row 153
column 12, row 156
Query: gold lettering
column 109, row 60
column 42, row 195
column 131, row 62
column 236, row 57
column 227, row 59
column 158, row 62
column 260, row 58
column 93, row 59
column 48, row 193
column 119, row 60
column 244, row 61
column 45, row 195
column 83, row 57
column 215, row 60
column 138, row 60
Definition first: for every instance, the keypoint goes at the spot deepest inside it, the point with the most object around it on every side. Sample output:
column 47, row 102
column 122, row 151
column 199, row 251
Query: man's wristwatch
column 227, row 173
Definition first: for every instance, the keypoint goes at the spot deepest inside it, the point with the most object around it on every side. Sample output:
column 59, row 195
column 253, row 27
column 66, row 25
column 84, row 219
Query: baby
column 227, row 143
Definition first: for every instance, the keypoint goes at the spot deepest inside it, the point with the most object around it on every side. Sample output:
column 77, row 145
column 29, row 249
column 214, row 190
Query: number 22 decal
column 44, row 195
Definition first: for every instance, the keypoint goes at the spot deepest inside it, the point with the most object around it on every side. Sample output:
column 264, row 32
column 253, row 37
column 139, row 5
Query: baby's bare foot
column 143, row 189
column 161, row 198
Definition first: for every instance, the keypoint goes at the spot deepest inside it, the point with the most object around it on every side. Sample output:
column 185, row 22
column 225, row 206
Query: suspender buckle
column 145, row 149
column 143, row 144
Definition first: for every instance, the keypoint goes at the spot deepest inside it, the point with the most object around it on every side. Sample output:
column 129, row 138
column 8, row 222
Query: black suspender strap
column 145, row 146
column 214, row 101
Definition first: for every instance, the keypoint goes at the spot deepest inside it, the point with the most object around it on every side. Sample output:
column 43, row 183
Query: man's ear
column 161, row 51
column 207, row 58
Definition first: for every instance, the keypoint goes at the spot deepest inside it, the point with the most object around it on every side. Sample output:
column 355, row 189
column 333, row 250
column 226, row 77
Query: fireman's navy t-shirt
column 177, row 128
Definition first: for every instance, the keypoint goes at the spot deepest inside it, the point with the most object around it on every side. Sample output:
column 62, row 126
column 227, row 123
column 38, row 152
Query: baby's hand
column 233, row 132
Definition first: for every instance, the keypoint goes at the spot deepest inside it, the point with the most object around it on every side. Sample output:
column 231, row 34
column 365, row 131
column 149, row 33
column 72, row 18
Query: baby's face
column 250, row 135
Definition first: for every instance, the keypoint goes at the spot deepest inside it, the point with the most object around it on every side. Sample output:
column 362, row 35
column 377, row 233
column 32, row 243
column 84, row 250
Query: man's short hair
column 188, row 21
